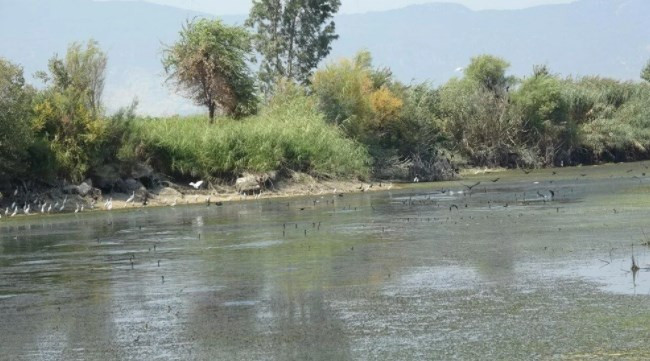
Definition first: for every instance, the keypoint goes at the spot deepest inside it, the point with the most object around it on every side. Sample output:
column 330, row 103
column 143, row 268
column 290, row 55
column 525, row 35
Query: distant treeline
column 345, row 119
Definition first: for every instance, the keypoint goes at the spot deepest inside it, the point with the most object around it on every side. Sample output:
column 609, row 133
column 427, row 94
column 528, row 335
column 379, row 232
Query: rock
column 141, row 170
column 119, row 186
column 105, row 177
column 249, row 183
column 132, row 185
column 84, row 189
column 71, row 189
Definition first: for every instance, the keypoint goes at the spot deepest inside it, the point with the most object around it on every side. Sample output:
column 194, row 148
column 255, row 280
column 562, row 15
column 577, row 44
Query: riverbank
column 85, row 198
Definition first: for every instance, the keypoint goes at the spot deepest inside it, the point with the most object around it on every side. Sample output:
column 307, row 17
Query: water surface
column 501, row 272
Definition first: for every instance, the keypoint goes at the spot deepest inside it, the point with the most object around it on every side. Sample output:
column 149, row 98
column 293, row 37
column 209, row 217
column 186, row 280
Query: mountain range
column 428, row 42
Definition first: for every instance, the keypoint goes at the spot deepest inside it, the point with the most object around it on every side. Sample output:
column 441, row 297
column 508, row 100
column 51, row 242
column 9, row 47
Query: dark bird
column 583, row 175
column 472, row 186
column 554, row 173
column 552, row 193
column 525, row 171
column 453, row 206
column 495, row 180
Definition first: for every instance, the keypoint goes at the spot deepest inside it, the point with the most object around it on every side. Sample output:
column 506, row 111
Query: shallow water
column 393, row 275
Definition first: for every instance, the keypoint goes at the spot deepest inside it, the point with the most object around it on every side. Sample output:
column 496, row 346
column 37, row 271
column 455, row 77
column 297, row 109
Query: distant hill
column 423, row 42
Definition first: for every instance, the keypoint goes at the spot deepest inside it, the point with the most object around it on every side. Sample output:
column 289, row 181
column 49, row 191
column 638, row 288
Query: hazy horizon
column 228, row 7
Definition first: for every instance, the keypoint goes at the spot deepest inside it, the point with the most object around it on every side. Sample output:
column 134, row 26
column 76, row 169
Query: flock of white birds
column 47, row 208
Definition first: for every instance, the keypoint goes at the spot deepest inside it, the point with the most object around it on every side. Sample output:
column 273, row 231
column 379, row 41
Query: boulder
column 120, row 186
column 142, row 170
column 84, row 189
column 132, row 185
column 249, row 183
column 105, row 177
column 71, row 189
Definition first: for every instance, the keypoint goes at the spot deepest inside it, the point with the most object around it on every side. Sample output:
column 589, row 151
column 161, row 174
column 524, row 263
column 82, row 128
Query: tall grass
column 288, row 135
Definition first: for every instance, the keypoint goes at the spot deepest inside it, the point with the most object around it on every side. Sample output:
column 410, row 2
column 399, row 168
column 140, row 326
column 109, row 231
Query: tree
column 292, row 36
column 645, row 73
column 15, row 114
column 68, row 113
column 209, row 65
column 82, row 71
column 489, row 71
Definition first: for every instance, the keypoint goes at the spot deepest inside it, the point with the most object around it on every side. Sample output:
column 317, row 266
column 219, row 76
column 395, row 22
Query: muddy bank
column 26, row 200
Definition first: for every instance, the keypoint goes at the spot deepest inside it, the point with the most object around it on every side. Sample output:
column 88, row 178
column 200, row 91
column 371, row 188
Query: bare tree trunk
column 211, row 111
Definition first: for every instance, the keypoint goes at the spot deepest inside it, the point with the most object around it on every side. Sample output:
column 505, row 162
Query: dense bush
column 398, row 123
column 354, row 120
column 289, row 134
column 15, row 117
column 68, row 113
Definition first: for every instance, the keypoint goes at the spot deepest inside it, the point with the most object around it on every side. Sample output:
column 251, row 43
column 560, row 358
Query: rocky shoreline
column 152, row 191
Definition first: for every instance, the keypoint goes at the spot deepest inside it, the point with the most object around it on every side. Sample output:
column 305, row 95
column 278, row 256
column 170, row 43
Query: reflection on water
column 428, row 272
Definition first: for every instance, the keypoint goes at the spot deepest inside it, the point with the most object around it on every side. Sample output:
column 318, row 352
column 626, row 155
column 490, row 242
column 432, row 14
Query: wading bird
column 196, row 185
column 131, row 198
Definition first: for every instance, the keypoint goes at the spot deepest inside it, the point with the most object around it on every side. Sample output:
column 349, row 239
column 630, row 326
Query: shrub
column 289, row 134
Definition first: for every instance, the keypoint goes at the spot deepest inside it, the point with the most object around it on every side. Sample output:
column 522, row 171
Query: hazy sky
column 224, row 7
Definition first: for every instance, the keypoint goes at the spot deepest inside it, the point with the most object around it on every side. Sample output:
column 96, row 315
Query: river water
column 504, row 271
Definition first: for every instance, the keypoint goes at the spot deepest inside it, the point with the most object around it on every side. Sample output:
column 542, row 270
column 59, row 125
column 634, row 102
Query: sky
column 228, row 7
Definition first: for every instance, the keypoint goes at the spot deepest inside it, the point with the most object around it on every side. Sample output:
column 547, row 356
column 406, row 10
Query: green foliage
column 541, row 103
column 490, row 72
column 15, row 115
column 480, row 122
column 290, row 134
column 398, row 123
column 208, row 64
column 67, row 113
column 292, row 36
column 645, row 73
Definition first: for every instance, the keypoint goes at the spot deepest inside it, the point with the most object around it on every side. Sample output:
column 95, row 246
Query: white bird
column 16, row 192
column 7, row 211
column 174, row 203
column 15, row 211
column 131, row 198
column 416, row 180
column 196, row 185
column 77, row 209
column 459, row 69
column 49, row 209
column 13, row 205
column 27, row 209
column 109, row 204
column 43, row 207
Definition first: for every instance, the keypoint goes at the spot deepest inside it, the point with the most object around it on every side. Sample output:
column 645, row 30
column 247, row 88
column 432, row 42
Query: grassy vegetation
column 352, row 120
column 290, row 134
